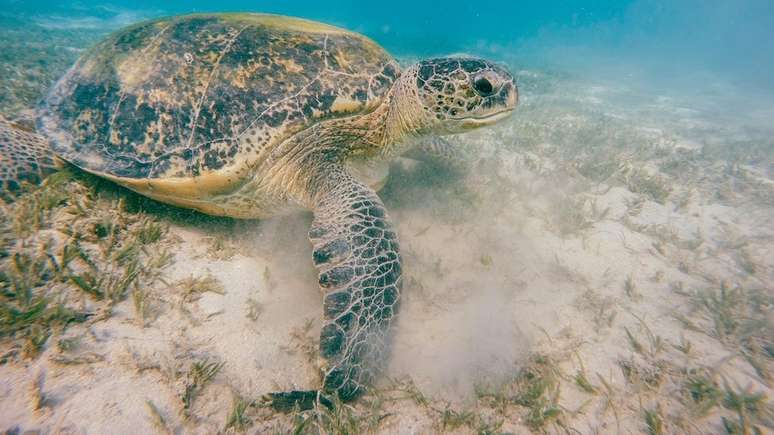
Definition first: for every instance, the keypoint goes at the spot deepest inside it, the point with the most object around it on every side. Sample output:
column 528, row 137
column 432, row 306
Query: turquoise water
column 665, row 39
column 687, row 47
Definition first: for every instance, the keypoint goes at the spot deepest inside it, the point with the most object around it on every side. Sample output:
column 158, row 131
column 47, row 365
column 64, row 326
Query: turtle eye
column 483, row 86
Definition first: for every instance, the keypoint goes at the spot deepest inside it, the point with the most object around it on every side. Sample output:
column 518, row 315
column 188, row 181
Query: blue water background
column 679, row 43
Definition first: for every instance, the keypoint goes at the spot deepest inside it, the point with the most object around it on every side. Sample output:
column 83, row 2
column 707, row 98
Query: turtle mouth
column 488, row 118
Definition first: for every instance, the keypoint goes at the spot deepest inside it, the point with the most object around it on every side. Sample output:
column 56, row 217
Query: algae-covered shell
column 194, row 102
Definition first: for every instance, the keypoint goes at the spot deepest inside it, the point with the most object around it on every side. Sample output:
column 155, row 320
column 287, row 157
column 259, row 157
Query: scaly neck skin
column 406, row 119
column 391, row 128
column 386, row 132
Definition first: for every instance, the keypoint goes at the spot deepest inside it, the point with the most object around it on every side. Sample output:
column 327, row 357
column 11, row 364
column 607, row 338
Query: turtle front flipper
column 356, row 254
column 24, row 157
column 439, row 153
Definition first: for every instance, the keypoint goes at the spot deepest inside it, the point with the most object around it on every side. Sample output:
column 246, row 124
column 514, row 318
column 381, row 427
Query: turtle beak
column 501, row 105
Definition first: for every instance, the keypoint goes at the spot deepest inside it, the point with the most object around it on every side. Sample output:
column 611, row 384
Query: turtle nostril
column 483, row 86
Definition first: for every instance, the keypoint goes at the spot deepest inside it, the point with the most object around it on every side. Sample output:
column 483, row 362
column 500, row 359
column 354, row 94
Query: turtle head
column 457, row 94
column 445, row 96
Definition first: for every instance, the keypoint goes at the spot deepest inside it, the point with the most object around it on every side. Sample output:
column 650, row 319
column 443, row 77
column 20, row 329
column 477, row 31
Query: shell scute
column 203, row 95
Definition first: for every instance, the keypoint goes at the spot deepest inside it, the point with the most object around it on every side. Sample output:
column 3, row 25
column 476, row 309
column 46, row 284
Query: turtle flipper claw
column 296, row 400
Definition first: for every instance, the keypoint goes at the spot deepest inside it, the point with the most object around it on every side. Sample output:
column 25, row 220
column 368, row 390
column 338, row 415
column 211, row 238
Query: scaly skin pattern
column 355, row 249
column 130, row 111
column 24, row 157
column 356, row 253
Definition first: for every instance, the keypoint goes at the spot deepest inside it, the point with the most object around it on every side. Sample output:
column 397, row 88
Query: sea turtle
column 250, row 115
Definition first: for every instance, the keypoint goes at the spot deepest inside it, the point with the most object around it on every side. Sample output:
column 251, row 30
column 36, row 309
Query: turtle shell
column 205, row 96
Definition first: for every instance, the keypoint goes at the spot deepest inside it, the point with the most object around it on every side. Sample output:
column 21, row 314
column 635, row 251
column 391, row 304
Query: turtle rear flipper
column 25, row 157
column 356, row 254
